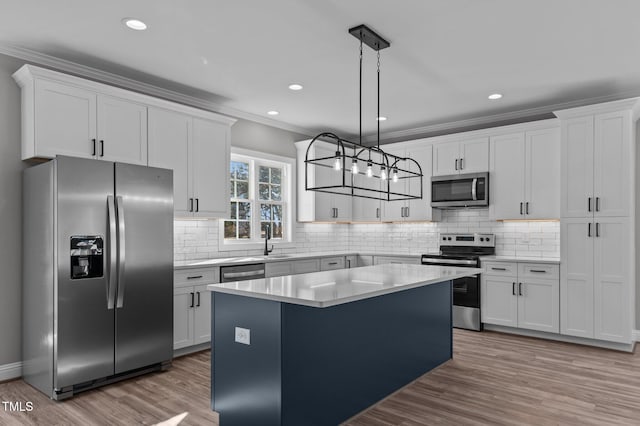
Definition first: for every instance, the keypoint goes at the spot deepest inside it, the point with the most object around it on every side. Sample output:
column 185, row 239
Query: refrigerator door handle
column 121, row 252
column 113, row 259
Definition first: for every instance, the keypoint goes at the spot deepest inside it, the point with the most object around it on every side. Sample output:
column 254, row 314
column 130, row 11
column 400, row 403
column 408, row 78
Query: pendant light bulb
column 337, row 164
column 369, row 169
column 395, row 175
column 354, row 167
column 383, row 173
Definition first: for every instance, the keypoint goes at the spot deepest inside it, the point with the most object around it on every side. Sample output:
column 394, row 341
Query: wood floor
column 494, row 379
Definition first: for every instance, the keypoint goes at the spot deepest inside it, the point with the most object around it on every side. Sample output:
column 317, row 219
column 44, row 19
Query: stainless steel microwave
column 464, row 190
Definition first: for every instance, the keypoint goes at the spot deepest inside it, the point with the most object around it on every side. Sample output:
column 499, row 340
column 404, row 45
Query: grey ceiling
column 445, row 57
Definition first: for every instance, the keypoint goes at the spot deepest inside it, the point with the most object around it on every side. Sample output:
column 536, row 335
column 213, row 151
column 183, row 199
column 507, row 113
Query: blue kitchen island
column 318, row 348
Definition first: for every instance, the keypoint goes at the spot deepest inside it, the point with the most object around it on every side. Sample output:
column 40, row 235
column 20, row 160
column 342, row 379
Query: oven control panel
column 470, row 240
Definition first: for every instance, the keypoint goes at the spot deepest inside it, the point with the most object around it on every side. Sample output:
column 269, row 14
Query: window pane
column 276, row 195
column 229, row 229
column 233, row 166
column 276, row 230
column 265, row 212
column 242, row 190
column 232, row 190
column 244, row 230
column 242, row 171
column 244, row 211
column 263, row 174
column 276, row 176
column 277, row 213
column 263, row 189
column 234, row 210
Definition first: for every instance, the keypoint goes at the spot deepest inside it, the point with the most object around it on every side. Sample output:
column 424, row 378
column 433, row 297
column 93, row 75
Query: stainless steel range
column 464, row 250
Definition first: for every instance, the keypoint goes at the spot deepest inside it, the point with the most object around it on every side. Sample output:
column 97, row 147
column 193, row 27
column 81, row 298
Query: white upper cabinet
column 417, row 209
column 122, row 130
column 316, row 206
column 596, row 164
column 65, row 115
column 197, row 150
column 525, row 175
column 466, row 156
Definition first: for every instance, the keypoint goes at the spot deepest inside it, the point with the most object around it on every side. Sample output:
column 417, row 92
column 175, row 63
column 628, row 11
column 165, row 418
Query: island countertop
column 330, row 288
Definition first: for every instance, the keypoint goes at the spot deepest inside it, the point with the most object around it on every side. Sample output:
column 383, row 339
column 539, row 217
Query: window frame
column 288, row 191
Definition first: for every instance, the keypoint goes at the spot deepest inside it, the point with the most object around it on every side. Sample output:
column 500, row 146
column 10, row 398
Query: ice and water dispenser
column 86, row 256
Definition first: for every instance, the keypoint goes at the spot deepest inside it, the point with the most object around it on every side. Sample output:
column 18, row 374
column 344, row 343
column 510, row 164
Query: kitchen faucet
column 267, row 237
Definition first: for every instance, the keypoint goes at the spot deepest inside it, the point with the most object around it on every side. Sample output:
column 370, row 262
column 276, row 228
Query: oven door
column 466, row 291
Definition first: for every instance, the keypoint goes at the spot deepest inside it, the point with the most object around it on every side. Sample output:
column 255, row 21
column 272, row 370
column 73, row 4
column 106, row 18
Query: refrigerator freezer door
column 84, row 333
column 144, row 320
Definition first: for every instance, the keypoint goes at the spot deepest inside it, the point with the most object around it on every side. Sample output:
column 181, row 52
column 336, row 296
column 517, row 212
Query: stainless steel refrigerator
column 97, row 273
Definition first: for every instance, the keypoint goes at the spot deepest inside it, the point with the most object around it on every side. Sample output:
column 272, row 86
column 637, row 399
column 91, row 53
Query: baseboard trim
column 10, row 371
column 191, row 349
column 562, row 338
column 636, row 335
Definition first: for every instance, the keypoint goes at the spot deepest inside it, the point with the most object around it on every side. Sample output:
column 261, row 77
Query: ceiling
column 445, row 57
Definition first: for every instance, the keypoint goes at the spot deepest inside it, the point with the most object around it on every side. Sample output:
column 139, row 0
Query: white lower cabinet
column 331, row 263
column 192, row 306
column 522, row 295
column 293, row 267
column 596, row 288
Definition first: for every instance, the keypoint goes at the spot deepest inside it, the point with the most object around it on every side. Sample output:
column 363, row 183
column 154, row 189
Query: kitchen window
column 261, row 198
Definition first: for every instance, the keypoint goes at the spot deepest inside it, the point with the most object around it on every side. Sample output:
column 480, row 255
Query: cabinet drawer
column 538, row 270
column 501, row 269
column 330, row 263
column 277, row 269
column 196, row 276
column 305, row 266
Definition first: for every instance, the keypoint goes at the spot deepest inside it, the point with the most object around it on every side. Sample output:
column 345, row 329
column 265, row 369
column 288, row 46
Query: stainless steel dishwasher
column 241, row 272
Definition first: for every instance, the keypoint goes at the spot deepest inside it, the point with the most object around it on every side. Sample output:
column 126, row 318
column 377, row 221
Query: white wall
column 10, row 214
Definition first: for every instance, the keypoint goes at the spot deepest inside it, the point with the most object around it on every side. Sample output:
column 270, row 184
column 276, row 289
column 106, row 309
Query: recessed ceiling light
column 495, row 96
column 381, row 118
column 134, row 24
column 273, row 112
column 295, row 86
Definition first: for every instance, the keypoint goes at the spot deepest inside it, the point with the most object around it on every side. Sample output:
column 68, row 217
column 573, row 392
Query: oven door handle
column 461, row 262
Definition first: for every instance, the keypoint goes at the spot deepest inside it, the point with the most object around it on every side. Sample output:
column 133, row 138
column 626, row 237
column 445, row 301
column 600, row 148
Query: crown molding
column 80, row 70
column 530, row 114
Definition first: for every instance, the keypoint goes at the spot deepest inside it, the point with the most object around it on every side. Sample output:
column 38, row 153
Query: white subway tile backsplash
column 200, row 239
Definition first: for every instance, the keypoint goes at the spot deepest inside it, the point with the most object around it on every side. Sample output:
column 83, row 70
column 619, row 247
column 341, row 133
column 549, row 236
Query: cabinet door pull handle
column 521, row 208
column 526, row 207
column 194, row 277
column 538, row 270
column 198, row 304
column 197, row 204
column 333, row 263
column 589, row 204
column 498, row 269
column 513, row 289
column 101, row 148
column 520, row 289
column 461, row 164
column 93, row 150
column 377, row 212
column 597, row 204
column 349, row 263
column 192, row 299
column 589, row 229
column 597, row 229
column 456, row 164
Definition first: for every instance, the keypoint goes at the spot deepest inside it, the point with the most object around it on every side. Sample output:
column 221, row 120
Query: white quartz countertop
column 552, row 260
column 226, row 261
column 330, row 288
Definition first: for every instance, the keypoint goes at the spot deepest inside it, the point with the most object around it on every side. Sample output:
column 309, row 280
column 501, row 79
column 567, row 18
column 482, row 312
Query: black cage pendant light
column 335, row 163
